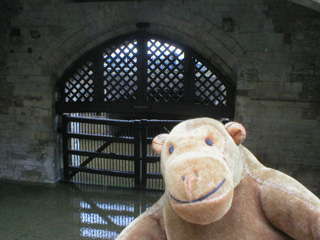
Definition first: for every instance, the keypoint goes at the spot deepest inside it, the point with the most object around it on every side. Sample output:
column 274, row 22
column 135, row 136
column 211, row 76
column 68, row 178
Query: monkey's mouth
column 200, row 198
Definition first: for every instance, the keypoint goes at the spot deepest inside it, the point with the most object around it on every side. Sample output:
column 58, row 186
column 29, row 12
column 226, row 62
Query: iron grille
column 145, row 72
column 208, row 88
column 165, row 82
column 80, row 85
column 120, row 72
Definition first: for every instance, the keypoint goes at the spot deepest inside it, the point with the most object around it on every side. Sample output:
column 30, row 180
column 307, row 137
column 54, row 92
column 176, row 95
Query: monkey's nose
column 189, row 179
column 192, row 175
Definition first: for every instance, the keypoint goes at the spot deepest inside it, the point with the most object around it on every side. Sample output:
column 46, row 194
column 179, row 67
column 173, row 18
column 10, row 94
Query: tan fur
column 249, row 201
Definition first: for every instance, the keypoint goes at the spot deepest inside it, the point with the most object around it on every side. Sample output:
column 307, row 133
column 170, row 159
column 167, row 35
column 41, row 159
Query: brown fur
column 253, row 202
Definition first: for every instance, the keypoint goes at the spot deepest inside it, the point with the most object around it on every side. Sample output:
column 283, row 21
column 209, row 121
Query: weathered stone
column 272, row 54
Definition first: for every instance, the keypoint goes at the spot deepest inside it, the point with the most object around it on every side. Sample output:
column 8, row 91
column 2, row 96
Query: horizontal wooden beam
column 182, row 109
column 106, row 139
column 103, row 172
column 109, row 155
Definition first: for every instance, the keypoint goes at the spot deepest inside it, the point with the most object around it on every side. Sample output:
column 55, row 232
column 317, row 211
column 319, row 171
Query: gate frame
column 145, row 158
column 186, row 108
column 140, row 140
column 70, row 171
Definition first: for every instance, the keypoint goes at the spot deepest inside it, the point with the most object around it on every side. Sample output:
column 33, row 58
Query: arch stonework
column 203, row 35
column 106, row 22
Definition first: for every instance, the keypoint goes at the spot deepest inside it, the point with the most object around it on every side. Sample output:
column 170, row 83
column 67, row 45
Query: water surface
column 69, row 211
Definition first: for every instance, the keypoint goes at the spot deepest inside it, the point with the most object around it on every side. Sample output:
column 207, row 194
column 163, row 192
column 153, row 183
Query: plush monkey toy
column 216, row 189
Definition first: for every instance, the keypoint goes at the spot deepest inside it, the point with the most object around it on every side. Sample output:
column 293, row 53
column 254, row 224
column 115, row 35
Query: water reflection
column 69, row 211
column 97, row 233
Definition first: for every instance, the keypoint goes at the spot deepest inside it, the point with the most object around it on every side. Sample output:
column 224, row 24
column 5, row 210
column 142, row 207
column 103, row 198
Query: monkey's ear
column 158, row 141
column 236, row 131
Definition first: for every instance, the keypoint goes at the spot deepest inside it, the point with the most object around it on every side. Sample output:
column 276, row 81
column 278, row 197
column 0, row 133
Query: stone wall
column 278, row 93
column 269, row 48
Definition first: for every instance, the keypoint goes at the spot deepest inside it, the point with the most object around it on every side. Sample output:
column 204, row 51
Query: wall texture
column 269, row 48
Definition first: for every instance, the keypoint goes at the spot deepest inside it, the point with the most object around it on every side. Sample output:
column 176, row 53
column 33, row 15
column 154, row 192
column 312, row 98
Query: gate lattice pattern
column 165, row 82
column 80, row 85
column 208, row 89
column 138, row 73
column 145, row 71
column 120, row 72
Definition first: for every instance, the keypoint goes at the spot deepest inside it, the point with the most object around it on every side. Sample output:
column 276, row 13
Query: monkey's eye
column 209, row 142
column 171, row 149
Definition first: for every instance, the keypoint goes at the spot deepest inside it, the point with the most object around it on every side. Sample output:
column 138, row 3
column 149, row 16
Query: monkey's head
column 201, row 164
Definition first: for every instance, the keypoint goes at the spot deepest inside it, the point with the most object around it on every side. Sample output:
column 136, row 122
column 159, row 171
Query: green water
column 68, row 211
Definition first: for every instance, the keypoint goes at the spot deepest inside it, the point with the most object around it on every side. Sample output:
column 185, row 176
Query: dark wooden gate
column 150, row 165
column 145, row 73
column 112, row 152
column 143, row 76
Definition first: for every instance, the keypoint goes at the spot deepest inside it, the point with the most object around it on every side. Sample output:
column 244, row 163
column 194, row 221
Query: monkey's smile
column 201, row 198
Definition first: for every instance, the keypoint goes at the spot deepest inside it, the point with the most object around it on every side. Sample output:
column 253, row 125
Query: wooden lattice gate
column 136, row 76
column 112, row 152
